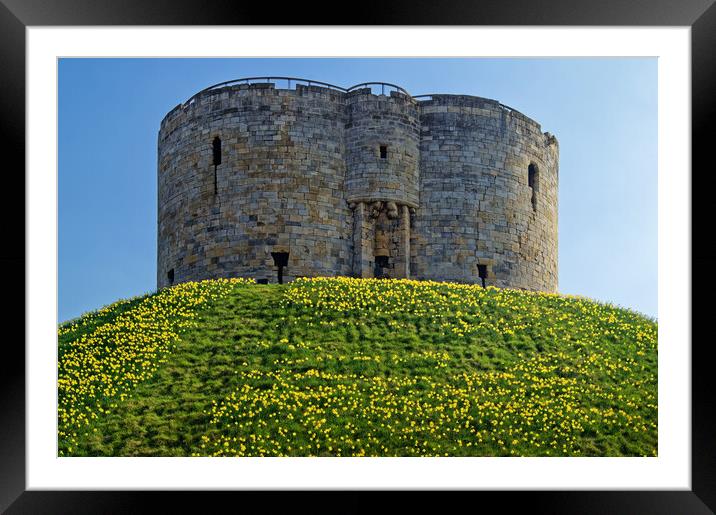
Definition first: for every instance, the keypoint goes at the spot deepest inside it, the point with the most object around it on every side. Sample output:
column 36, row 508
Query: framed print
column 323, row 214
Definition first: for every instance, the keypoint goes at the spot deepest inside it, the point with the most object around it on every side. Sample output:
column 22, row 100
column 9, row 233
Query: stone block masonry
column 348, row 182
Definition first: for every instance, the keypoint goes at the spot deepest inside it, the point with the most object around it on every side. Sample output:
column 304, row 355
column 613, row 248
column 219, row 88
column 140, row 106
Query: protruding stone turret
column 382, row 137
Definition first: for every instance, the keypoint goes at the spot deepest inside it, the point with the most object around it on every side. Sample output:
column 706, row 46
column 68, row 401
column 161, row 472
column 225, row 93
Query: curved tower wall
column 466, row 188
column 476, row 205
column 382, row 180
column 376, row 121
column 279, row 186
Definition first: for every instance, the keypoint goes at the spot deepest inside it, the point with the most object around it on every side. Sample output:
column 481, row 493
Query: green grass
column 72, row 330
column 337, row 367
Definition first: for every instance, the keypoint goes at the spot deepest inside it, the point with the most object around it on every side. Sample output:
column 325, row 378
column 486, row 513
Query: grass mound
column 357, row 367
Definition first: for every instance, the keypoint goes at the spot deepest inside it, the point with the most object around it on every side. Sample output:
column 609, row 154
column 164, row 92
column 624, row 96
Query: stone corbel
column 392, row 210
column 375, row 209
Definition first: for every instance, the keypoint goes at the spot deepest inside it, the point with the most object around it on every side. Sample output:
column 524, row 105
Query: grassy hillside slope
column 343, row 367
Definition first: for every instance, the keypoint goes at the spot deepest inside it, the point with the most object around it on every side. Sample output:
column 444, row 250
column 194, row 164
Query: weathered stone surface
column 334, row 179
column 475, row 202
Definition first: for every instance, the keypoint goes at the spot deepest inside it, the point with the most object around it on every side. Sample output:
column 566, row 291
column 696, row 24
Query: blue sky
column 602, row 110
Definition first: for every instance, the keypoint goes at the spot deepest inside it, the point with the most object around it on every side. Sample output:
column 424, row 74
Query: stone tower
column 318, row 180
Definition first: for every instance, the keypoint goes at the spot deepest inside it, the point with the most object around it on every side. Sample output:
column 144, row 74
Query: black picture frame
column 700, row 15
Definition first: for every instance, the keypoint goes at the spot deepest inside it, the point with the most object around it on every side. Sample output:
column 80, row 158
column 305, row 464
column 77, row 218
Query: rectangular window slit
column 482, row 272
column 533, row 183
column 280, row 259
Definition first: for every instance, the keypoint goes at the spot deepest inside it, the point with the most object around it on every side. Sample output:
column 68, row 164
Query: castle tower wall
column 382, row 176
column 278, row 187
column 477, row 215
column 341, row 182
column 391, row 122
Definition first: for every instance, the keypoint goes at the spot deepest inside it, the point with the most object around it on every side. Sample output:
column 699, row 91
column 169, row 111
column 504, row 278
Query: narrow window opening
column 533, row 182
column 482, row 273
column 216, row 145
column 262, row 281
column 217, row 151
column 170, row 276
column 280, row 259
column 383, row 152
